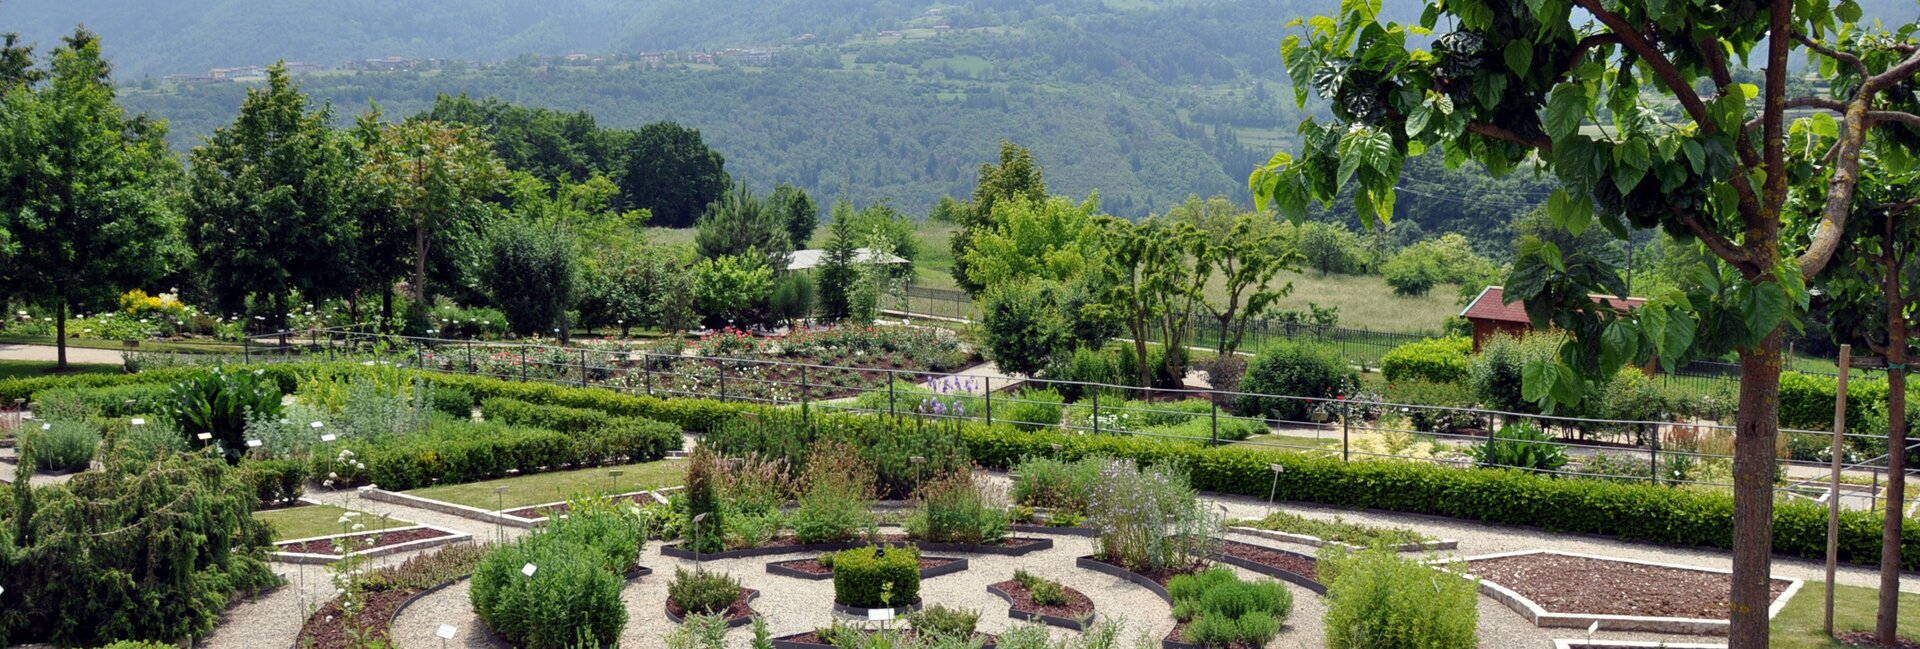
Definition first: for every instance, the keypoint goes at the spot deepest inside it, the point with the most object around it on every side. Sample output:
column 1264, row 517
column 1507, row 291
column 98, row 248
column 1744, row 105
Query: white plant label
column 445, row 632
column 528, row 569
column 139, row 422
column 28, row 416
column 879, row 615
column 204, row 436
column 46, row 426
column 317, row 425
column 328, row 437
column 253, row 443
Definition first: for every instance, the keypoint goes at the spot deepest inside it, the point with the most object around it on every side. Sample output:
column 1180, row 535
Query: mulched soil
column 896, row 540
column 543, row 511
column 1298, row 564
column 738, row 610
column 813, row 567
column 327, row 630
column 381, row 539
column 1077, row 603
column 813, row 637
column 1871, row 639
column 1563, row 584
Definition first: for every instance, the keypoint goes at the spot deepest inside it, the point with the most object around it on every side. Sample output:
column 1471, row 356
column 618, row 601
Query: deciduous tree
column 1015, row 178
column 432, row 174
column 671, row 172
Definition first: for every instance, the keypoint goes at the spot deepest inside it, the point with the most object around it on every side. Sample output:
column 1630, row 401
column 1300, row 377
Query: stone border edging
column 1633, row 644
column 1062, row 622
column 308, row 558
column 1096, row 565
column 732, row 622
column 1314, row 541
column 1026, row 528
column 1033, row 545
column 475, row 513
column 1288, row 576
column 861, row 613
column 1540, row 617
column 952, row 565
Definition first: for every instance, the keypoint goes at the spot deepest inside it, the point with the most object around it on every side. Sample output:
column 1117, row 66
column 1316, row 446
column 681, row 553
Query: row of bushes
column 1640, row 512
column 468, row 452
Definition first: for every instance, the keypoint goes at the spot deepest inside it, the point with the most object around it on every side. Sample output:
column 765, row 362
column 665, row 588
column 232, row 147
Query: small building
column 1490, row 313
column 814, row 258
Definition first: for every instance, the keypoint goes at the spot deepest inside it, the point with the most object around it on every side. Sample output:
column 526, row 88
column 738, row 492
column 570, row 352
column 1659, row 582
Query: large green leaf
column 1519, row 56
column 1566, row 108
column 1619, row 345
column 1537, row 378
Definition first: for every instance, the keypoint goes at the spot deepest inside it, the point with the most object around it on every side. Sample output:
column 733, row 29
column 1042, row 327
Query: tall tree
column 432, row 174
column 1016, row 178
column 799, row 211
column 86, row 187
column 1248, row 251
column 671, row 172
column 382, row 237
column 16, row 62
column 529, row 275
column 741, row 223
column 837, row 272
column 1513, row 82
column 552, row 145
column 270, row 200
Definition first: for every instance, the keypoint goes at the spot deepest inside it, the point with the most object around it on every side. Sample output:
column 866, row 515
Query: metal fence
column 1697, row 453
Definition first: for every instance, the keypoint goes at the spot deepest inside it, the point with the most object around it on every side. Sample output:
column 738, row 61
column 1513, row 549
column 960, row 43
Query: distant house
column 889, row 33
column 1491, row 314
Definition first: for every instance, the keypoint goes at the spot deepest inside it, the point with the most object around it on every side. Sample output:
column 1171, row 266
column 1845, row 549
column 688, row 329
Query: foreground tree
column 1514, row 82
column 86, row 187
column 431, row 174
column 671, row 172
column 740, row 224
column 270, row 202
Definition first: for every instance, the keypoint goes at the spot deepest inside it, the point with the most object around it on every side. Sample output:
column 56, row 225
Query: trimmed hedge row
column 1633, row 511
column 1435, row 360
column 463, row 452
column 1806, row 403
column 108, row 401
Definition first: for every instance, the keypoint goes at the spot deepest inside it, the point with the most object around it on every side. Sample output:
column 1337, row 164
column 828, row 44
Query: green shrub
column 1495, row 375
column 941, row 622
column 1089, row 365
column 1521, row 445
column 885, row 444
column 1041, row 481
column 702, row 592
column 613, row 535
column 217, row 402
column 1377, row 600
column 1021, row 326
column 453, row 401
column 276, row 482
column 1044, row 592
column 110, row 401
column 836, row 501
column 1223, row 610
column 1435, row 360
column 1444, row 396
column 1293, row 370
column 569, row 600
column 1150, row 518
column 877, row 577
column 706, row 518
column 61, row 445
column 1031, row 409
column 560, row 418
column 952, row 510
column 1226, row 428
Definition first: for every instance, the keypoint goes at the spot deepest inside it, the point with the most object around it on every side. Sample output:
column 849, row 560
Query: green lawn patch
column 209, row 346
column 1335, row 530
column 554, row 486
column 308, row 521
column 1801, row 625
column 21, row 369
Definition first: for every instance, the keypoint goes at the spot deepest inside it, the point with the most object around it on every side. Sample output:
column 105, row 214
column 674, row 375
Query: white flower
column 332, row 476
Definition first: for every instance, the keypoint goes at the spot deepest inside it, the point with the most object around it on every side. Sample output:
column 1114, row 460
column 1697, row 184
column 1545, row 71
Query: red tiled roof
column 1490, row 305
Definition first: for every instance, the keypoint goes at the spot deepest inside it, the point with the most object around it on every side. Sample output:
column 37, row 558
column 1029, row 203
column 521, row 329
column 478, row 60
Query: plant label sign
column 328, row 437
column 203, row 436
column 139, row 422
column 253, row 443
column 879, row 615
column 445, row 632
column 528, row 569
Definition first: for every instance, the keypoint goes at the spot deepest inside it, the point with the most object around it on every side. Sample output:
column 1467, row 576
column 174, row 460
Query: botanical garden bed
column 1076, row 614
column 325, row 549
column 1292, row 567
column 810, row 569
column 812, row 640
column 740, row 613
column 1012, row 546
column 1559, row 589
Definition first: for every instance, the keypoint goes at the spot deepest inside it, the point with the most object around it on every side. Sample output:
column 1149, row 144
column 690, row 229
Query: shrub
column 110, row 401
column 560, row 418
column 1337, row 530
column 702, row 592
column 1377, row 600
column 1222, row 610
column 1032, row 409
column 1021, row 326
column 1293, row 370
column 1521, row 445
column 952, row 510
column 941, row 622
column 837, row 503
column 453, row 401
column 1088, row 365
column 705, row 519
column 1434, row 360
column 568, row 601
column 1495, row 375
column 217, row 402
column 276, row 482
column 612, row 534
column 877, row 577
column 1443, row 396
column 1617, row 466
column 1064, row 486
column 886, row 445
column 1044, row 592
column 1150, row 518
column 61, row 445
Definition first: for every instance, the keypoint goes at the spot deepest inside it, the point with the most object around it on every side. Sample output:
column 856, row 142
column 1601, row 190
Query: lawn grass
column 1801, row 625
column 23, row 369
column 1335, row 530
column 555, row 486
column 194, row 347
column 308, row 521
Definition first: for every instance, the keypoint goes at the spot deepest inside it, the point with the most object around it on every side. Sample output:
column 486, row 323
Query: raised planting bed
column 741, row 613
column 1029, row 528
column 1076, row 614
column 812, row 639
column 324, row 549
column 1156, row 582
column 1291, row 567
column 534, row 514
column 864, row 613
column 1013, row 546
column 1567, row 590
column 326, row 628
column 1633, row 644
column 539, row 513
column 1314, row 541
column 811, row 569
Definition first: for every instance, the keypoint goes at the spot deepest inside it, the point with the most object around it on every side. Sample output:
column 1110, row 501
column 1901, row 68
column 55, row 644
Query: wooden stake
column 1833, row 485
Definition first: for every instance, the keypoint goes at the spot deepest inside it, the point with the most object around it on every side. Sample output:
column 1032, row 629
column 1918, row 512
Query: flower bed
column 740, row 613
column 1011, row 546
column 1076, row 614
column 812, row 569
column 812, row 640
column 1292, row 567
column 386, row 598
column 543, row 512
column 1557, row 589
column 326, row 549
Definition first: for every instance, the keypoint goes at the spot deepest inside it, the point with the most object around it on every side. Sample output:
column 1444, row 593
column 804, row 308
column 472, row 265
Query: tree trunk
column 386, row 306
column 1887, row 625
column 419, row 273
column 1140, row 348
column 1755, row 430
column 60, row 326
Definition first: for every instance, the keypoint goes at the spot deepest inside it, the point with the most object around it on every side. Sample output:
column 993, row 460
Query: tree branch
column 1580, row 49
column 1844, row 57
column 1877, row 117
column 1718, row 243
column 1542, row 144
column 1840, row 186
column 1902, row 70
column 1716, row 57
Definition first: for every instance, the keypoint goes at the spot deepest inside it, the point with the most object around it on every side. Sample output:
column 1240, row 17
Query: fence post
column 987, row 384
column 1653, row 454
column 523, row 363
column 1346, row 432
column 246, row 345
column 805, row 388
column 646, row 371
column 1096, row 410
column 583, row 368
column 420, row 355
column 722, row 371
column 329, row 345
column 470, row 366
column 891, row 408
column 1216, row 421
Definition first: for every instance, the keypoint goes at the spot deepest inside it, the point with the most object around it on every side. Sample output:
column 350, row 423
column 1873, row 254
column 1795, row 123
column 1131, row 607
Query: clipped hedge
column 1806, row 403
column 460, row 452
column 561, row 418
column 864, row 577
column 1434, row 360
column 276, row 482
column 109, row 401
column 1632, row 511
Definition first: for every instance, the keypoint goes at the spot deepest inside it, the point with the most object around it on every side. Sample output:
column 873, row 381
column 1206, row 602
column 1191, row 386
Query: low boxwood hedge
column 874, row 577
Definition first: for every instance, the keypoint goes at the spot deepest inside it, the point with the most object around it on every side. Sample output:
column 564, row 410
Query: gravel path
column 50, row 353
